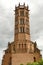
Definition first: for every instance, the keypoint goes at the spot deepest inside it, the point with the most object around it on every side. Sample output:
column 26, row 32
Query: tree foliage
column 40, row 62
column 35, row 63
column 21, row 64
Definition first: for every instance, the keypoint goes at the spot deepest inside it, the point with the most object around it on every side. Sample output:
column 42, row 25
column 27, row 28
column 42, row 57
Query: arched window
column 21, row 13
column 14, row 47
column 16, row 13
column 27, row 30
column 10, row 61
column 19, row 45
column 25, row 45
column 22, row 45
column 16, row 30
column 26, row 14
column 22, row 29
column 22, row 21
column 27, row 22
column 34, row 59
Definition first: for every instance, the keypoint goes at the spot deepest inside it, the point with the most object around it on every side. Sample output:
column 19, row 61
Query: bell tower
column 22, row 49
column 22, row 27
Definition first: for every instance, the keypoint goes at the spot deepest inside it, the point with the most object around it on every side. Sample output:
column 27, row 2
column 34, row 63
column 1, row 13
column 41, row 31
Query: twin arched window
column 22, row 45
column 22, row 29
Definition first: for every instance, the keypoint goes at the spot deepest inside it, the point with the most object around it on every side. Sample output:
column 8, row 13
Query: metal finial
column 24, row 4
column 19, row 4
column 27, row 6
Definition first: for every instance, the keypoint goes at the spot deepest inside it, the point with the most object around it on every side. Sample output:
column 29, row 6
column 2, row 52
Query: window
column 16, row 13
column 21, row 13
column 10, row 61
column 27, row 22
column 27, row 30
column 21, row 29
column 14, row 47
column 16, row 21
column 26, row 14
column 16, row 30
column 25, row 45
column 22, row 45
column 21, row 21
column 19, row 45
column 34, row 59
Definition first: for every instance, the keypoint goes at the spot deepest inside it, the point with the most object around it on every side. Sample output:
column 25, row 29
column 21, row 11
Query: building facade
column 22, row 49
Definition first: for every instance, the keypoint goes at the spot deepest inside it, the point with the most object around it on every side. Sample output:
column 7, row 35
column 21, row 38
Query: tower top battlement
column 22, row 6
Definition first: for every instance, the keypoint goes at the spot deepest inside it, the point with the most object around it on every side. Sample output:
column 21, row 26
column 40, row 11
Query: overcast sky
column 7, row 8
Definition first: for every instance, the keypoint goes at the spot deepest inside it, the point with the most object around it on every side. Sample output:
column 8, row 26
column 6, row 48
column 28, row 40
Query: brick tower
column 22, row 30
column 22, row 50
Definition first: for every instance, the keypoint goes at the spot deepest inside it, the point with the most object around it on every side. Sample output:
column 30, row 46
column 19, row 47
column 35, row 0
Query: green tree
column 40, row 62
column 28, row 64
column 21, row 64
column 35, row 63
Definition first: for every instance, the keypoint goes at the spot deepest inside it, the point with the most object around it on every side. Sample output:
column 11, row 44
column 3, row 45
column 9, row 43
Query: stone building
column 22, row 49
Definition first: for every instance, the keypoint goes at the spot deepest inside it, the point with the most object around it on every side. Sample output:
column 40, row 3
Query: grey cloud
column 7, row 23
column 1, row 55
column 36, row 21
column 6, row 27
